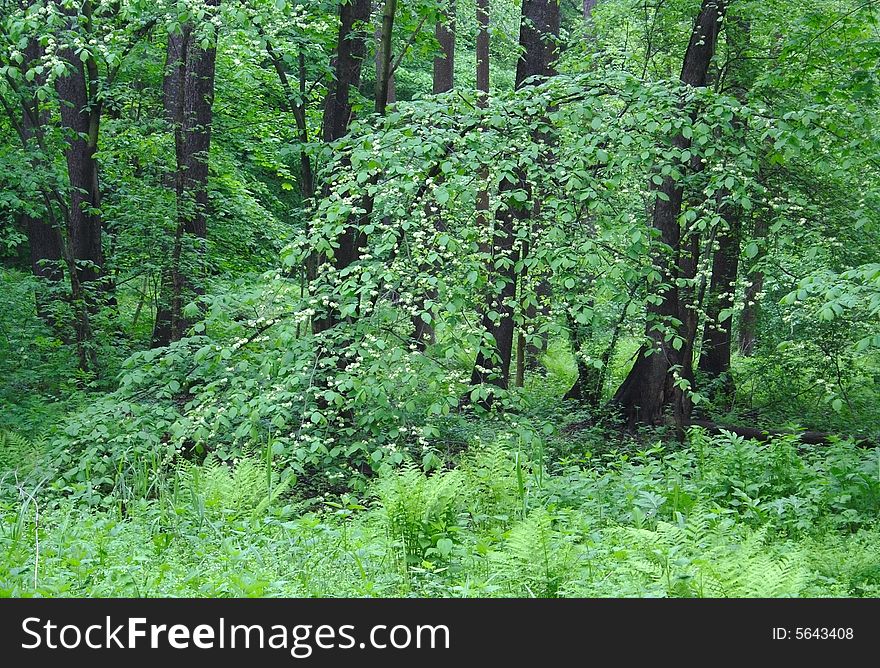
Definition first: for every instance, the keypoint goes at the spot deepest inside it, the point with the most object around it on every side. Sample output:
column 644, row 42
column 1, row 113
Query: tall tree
column 539, row 31
column 44, row 239
column 383, row 56
column 443, row 81
column 715, row 355
column 81, row 108
column 444, row 62
column 189, row 100
column 347, row 62
column 651, row 384
column 351, row 48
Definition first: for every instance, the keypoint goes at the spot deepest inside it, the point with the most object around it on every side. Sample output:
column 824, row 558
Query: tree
column 44, row 239
column 589, row 5
column 748, row 323
column 188, row 100
column 663, row 371
column 383, row 57
column 81, row 107
column 444, row 62
column 539, row 30
column 348, row 60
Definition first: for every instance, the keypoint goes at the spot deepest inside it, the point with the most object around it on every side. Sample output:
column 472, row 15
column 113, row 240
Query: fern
column 18, row 453
column 235, row 490
column 421, row 511
column 536, row 559
column 490, row 477
column 705, row 557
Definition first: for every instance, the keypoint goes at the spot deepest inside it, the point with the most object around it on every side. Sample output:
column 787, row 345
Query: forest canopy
column 447, row 280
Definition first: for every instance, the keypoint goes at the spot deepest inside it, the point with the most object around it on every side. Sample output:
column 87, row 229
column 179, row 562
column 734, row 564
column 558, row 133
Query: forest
column 440, row 298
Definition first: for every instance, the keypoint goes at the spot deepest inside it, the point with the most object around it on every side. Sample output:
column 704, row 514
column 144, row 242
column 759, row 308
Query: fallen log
column 805, row 437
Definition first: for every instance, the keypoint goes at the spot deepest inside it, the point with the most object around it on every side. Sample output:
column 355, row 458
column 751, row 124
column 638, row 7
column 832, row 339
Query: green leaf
column 751, row 250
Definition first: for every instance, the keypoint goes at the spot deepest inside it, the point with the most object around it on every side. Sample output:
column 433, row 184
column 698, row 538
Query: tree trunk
column 662, row 365
column 80, row 119
column 44, row 240
column 189, row 99
column 443, row 81
column 173, row 92
column 482, row 56
column 588, row 9
column 383, row 57
column 482, row 52
column 715, row 354
column 587, row 387
column 539, row 30
column 295, row 105
column 444, row 63
column 350, row 52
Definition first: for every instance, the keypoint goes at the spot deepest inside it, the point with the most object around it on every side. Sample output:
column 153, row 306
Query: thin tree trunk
column 443, row 81
column 296, row 106
column 173, row 88
column 482, row 56
column 483, row 52
column 383, row 57
column 189, row 99
column 715, row 353
column 588, row 9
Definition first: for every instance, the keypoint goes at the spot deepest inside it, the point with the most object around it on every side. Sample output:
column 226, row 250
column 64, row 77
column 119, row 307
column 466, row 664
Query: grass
column 719, row 517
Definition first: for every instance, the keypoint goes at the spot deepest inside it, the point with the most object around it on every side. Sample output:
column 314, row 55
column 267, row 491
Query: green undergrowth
column 718, row 517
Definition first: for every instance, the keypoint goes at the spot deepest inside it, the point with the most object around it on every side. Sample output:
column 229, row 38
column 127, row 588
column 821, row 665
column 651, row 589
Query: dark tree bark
column 47, row 236
column 350, row 53
column 80, row 120
column 444, row 62
column 651, row 384
column 539, row 31
column 44, row 240
column 383, row 57
column 715, row 353
column 189, row 101
column 173, row 88
column 538, row 34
